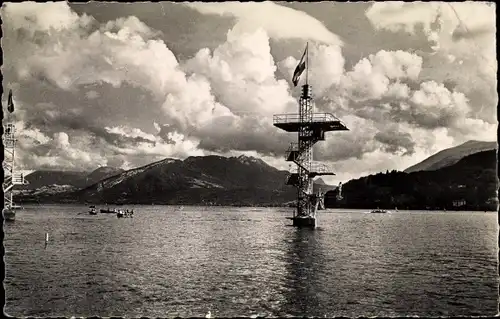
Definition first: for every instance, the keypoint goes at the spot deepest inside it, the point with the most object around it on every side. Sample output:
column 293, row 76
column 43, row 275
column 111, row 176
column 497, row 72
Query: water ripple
column 169, row 262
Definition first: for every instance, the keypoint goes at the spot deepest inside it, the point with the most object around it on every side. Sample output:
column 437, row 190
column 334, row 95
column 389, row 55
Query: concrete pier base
column 304, row 222
column 9, row 215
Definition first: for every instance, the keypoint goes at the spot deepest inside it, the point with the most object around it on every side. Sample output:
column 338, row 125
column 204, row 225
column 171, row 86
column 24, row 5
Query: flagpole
column 307, row 62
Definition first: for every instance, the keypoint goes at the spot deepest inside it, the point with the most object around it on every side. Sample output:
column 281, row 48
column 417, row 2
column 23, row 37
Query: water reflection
column 304, row 264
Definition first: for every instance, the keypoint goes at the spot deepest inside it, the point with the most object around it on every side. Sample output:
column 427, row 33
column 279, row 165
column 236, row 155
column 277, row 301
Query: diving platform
column 325, row 122
column 315, row 169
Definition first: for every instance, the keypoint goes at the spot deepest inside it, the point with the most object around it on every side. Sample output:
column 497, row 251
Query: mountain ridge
column 77, row 179
column 451, row 155
column 217, row 180
column 207, row 179
column 469, row 184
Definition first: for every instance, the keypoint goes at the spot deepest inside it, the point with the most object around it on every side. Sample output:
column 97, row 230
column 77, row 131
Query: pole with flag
column 303, row 64
column 307, row 62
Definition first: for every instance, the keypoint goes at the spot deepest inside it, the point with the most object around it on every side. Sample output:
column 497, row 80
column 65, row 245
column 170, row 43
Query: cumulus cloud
column 326, row 67
column 379, row 75
column 439, row 20
column 252, row 16
column 465, row 29
column 70, row 56
column 178, row 145
column 242, row 73
column 464, row 41
column 40, row 151
column 50, row 17
column 221, row 100
column 121, row 147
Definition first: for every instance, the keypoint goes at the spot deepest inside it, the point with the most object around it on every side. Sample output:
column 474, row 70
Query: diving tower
column 11, row 176
column 310, row 128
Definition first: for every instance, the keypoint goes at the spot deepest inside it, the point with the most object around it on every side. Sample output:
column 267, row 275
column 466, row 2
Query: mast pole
column 307, row 62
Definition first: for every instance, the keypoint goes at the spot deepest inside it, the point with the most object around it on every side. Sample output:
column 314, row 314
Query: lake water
column 184, row 261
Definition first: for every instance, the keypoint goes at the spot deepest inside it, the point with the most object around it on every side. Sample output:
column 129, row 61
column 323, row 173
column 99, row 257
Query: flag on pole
column 10, row 103
column 300, row 68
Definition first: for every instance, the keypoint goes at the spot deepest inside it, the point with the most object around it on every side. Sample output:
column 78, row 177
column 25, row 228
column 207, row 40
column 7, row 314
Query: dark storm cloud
column 252, row 134
column 400, row 114
column 164, row 133
column 396, row 142
column 56, row 121
column 344, row 147
column 127, row 106
column 464, row 33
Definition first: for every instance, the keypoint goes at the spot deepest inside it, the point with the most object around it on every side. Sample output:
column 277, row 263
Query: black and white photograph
column 250, row 159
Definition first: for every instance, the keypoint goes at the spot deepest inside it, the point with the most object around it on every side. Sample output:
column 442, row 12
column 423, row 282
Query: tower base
column 9, row 215
column 304, row 222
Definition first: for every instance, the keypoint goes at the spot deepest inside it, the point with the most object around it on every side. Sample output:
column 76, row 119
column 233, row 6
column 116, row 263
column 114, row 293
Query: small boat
column 125, row 214
column 378, row 211
column 92, row 210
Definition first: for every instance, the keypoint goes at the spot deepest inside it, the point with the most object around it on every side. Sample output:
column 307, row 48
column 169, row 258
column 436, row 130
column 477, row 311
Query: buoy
column 46, row 239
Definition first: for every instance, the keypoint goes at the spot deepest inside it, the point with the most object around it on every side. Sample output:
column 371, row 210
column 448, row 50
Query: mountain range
column 208, row 180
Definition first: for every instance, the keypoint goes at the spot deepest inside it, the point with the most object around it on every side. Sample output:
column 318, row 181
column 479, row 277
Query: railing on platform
column 320, row 168
column 8, row 143
column 316, row 167
column 18, row 179
column 295, row 118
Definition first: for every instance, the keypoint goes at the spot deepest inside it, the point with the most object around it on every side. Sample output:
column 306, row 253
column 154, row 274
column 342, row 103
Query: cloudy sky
column 128, row 84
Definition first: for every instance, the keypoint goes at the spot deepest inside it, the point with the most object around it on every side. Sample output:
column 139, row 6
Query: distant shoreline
column 328, row 210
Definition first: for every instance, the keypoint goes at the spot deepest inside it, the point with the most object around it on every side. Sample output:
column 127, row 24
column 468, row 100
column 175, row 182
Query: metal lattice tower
column 11, row 177
column 311, row 128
